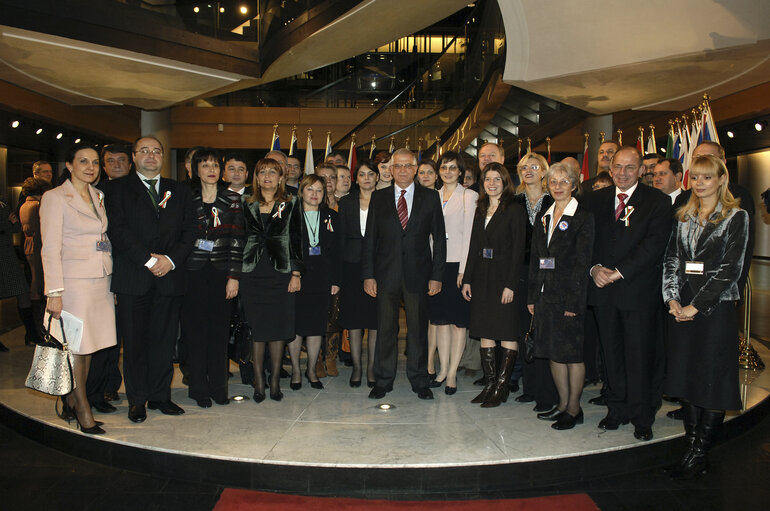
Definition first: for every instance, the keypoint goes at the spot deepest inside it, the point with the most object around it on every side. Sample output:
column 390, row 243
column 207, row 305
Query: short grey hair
column 405, row 152
column 570, row 171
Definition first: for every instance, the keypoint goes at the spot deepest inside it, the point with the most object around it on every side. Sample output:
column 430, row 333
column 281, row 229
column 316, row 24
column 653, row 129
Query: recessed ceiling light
column 196, row 9
column 39, row 131
column 758, row 126
column 244, row 9
column 730, row 134
column 59, row 135
column 15, row 124
column 221, row 9
column 77, row 140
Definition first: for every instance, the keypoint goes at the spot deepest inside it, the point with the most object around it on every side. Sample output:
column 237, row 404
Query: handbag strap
column 63, row 334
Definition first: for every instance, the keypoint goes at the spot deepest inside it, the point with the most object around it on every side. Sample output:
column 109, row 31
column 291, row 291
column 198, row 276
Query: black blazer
column 228, row 236
column 505, row 235
column 636, row 251
column 136, row 229
column 322, row 271
column 571, row 249
column 349, row 230
column 280, row 240
column 391, row 254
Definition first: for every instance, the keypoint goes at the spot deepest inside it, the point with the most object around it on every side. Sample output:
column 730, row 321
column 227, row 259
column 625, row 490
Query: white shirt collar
column 568, row 211
column 397, row 189
column 628, row 192
column 239, row 192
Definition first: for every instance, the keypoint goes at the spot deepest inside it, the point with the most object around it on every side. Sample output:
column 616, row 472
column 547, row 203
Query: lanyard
column 313, row 232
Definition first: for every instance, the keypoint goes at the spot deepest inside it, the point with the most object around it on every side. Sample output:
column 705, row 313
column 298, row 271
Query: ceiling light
column 244, row 9
column 758, row 126
column 730, row 134
column 59, row 135
column 196, row 9
column 15, row 124
column 77, row 140
column 39, row 131
column 221, row 9
column 374, row 84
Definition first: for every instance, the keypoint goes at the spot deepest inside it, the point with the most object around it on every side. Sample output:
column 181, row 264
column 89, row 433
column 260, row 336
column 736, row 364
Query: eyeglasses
column 402, row 166
column 448, row 167
column 146, row 150
column 529, row 167
column 555, row 183
column 626, row 168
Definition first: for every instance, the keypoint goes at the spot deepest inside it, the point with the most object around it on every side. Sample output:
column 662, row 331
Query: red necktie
column 403, row 212
column 621, row 205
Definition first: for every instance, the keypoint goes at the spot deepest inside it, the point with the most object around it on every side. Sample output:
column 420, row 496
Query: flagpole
column 392, row 145
column 585, row 172
column 519, row 158
column 438, row 149
column 406, row 143
column 652, row 137
column 309, row 163
column 601, row 137
column 529, row 145
column 641, row 140
column 620, row 138
column 371, row 149
column 548, row 148
column 275, row 135
column 293, row 140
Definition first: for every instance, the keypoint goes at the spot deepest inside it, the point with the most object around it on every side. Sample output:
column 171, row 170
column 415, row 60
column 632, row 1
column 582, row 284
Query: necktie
column 152, row 192
column 403, row 212
column 621, row 205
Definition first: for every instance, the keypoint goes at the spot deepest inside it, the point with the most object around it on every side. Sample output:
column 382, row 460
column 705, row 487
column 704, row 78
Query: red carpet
column 247, row 500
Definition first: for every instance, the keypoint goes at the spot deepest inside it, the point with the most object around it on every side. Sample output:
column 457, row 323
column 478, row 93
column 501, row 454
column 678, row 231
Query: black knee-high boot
column 692, row 415
column 500, row 392
column 697, row 462
column 489, row 367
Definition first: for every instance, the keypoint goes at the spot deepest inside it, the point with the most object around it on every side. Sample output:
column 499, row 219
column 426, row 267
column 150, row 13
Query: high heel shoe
column 449, row 391
column 354, row 383
column 371, row 383
column 258, row 396
column 93, row 430
column 277, row 396
column 434, row 383
column 295, row 386
column 315, row 384
column 67, row 412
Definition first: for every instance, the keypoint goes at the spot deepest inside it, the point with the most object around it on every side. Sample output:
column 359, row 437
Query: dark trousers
column 104, row 373
column 538, row 382
column 591, row 351
column 386, row 349
column 149, row 323
column 628, row 345
column 206, row 329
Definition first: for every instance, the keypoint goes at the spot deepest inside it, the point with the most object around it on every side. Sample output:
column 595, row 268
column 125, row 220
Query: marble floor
column 340, row 426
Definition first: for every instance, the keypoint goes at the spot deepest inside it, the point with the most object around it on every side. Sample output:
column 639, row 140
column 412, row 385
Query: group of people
column 470, row 257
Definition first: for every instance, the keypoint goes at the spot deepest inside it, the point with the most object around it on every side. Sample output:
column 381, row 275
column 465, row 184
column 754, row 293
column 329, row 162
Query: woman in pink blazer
column 77, row 264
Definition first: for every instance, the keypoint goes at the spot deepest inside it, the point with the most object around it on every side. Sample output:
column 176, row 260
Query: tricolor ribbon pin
column 215, row 213
column 281, row 207
column 166, row 197
column 328, row 223
column 624, row 218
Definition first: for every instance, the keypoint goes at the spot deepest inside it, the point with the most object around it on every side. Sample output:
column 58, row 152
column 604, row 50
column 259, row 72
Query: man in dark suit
column 397, row 264
column 633, row 223
column 152, row 229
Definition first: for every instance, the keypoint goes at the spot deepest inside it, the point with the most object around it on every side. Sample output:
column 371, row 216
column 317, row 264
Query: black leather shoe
column 525, row 398
column 677, row 415
column 258, row 396
column 434, row 383
column 611, row 422
column 165, row 407
column 551, row 415
column 103, row 407
column 111, row 396
column 542, row 408
column 377, row 392
column 204, row 403
column 295, row 386
column 425, row 393
column 598, row 400
column 354, row 383
column 137, row 413
column 314, row 384
column 277, row 396
column 567, row 421
column 643, row 433
column 450, row 391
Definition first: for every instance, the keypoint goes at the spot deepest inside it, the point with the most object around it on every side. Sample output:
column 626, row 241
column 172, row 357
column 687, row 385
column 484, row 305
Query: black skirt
column 268, row 305
column 702, row 365
column 449, row 307
column 557, row 337
column 357, row 309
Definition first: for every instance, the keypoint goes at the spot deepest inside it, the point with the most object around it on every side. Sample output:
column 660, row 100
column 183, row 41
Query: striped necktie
column 403, row 212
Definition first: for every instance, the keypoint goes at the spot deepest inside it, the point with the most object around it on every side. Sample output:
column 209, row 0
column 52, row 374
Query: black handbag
column 51, row 370
column 529, row 342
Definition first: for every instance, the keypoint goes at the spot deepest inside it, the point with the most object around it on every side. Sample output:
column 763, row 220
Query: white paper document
column 73, row 329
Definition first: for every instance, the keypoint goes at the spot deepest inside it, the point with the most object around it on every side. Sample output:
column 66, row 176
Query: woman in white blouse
column 448, row 311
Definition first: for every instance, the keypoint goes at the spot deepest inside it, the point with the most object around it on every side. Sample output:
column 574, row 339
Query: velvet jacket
column 280, row 240
column 720, row 247
column 228, row 234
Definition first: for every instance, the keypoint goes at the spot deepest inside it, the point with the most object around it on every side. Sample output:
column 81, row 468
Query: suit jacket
column 391, row 254
column 349, row 229
column 70, row 230
column 137, row 229
column 280, row 239
column 720, row 247
column 571, row 249
column 635, row 250
column 323, row 270
column 504, row 234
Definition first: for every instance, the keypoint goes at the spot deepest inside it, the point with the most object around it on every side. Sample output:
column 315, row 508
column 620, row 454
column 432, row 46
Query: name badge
column 694, row 267
column 486, row 253
column 205, row 245
column 547, row 263
column 314, row 251
column 103, row 246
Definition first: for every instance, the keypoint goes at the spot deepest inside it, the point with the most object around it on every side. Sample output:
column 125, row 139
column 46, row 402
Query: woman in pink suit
column 77, row 264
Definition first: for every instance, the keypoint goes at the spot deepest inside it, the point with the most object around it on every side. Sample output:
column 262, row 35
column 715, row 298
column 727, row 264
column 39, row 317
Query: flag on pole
column 309, row 166
column 640, row 141
column 684, row 149
column 620, row 138
column 328, row 149
column 371, row 149
column 548, row 148
column 670, row 141
column 519, row 153
column 709, row 128
column 584, row 171
column 293, row 140
column 529, row 145
column 438, row 149
column 651, row 147
column 275, row 143
column 352, row 159
column 406, row 143
column 419, row 149
column 392, row 147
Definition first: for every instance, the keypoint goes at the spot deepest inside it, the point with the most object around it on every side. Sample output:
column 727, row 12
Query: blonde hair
column 543, row 165
column 704, row 165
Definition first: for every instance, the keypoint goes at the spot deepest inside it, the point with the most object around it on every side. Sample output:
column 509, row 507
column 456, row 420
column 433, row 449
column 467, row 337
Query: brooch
column 328, row 223
column 281, row 207
column 563, row 225
column 628, row 211
column 166, row 197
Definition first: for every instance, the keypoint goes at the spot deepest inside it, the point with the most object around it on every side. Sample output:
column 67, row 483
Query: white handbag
column 51, row 370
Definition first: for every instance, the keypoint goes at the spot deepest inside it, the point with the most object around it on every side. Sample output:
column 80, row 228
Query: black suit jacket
column 391, row 254
column 571, row 249
column 349, row 229
column 136, row 230
column 635, row 250
column 322, row 271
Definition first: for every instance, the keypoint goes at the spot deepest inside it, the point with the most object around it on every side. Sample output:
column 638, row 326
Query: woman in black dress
column 491, row 275
column 558, row 283
column 272, row 269
column 702, row 265
column 213, row 270
column 320, row 253
column 358, row 310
